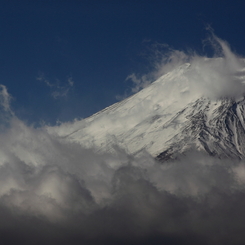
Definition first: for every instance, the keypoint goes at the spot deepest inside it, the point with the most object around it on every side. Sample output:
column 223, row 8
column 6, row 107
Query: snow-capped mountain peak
column 170, row 116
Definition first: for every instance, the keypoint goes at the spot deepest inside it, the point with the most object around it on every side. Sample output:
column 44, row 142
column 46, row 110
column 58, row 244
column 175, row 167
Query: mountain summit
column 172, row 115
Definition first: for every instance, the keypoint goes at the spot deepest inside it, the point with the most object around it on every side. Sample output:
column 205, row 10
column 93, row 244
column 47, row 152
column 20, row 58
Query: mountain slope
column 216, row 127
column 168, row 117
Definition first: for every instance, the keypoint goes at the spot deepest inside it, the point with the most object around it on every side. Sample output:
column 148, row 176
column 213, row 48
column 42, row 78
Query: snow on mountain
column 172, row 115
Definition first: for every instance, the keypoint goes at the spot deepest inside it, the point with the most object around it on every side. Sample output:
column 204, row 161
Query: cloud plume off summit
column 54, row 191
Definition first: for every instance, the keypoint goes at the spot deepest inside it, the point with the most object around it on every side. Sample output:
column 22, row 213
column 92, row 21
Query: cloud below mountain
column 55, row 192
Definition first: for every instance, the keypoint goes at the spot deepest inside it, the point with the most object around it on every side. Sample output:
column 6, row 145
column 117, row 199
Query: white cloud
column 5, row 98
column 81, row 195
column 220, row 76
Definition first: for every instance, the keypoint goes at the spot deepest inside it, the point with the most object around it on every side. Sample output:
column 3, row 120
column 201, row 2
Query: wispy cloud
column 5, row 98
column 58, row 88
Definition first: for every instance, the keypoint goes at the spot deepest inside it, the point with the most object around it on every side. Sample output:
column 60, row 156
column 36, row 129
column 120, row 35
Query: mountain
column 168, row 117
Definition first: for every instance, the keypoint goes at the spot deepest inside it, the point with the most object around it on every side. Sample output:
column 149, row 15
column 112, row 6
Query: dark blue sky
column 69, row 58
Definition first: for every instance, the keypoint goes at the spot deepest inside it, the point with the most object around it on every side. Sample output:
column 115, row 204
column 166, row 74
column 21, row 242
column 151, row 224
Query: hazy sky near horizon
column 63, row 59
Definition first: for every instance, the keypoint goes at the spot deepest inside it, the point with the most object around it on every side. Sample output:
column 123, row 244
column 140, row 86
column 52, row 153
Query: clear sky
column 66, row 59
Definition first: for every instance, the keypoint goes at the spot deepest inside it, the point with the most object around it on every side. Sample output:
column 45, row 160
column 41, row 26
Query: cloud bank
column 55, row 192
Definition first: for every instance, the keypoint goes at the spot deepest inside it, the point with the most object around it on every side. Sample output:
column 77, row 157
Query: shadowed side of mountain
column 215, row 127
